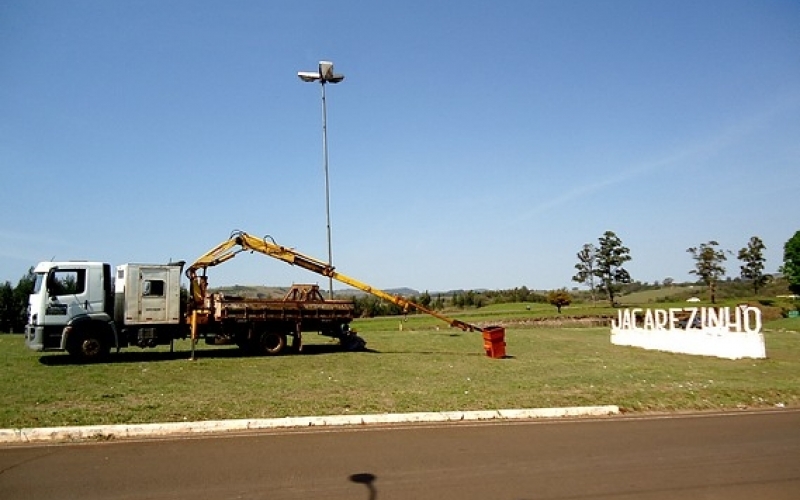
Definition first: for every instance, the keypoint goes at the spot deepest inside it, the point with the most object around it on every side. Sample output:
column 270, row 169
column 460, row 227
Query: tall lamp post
column 324, row 75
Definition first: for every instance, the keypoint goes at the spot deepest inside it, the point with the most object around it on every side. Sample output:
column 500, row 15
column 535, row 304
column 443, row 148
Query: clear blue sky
column 473, row 144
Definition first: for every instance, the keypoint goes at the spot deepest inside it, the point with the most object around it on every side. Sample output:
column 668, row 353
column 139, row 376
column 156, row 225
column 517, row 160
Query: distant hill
column 278, row 292
column 352, row 292
column 252, row 291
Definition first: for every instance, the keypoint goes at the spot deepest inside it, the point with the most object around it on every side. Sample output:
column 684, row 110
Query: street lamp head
column 327, row 74
column 335, row 79
column 308, row 76
column 326, row 69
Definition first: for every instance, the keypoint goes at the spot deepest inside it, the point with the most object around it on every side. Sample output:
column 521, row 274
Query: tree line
column 600, row 268
column 369, row 306
column 14, row 303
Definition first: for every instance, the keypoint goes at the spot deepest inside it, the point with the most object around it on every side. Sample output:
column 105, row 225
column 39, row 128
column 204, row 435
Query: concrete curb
column 129, row 431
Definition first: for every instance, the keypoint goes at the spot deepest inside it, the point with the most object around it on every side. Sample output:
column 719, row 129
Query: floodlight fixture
column 325, row 74
column 308, row 76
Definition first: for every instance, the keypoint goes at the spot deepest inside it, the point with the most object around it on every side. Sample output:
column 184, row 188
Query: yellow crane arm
column 241, row 241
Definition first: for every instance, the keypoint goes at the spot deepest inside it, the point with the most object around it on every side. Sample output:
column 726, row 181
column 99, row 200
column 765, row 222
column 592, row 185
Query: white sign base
column 703, row 331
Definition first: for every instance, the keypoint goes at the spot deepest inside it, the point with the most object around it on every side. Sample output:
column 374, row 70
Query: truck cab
column 64, row 291
column 78, row 307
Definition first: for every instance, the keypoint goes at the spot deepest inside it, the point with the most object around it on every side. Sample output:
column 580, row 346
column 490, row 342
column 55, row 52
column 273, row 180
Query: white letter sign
column 725, row 332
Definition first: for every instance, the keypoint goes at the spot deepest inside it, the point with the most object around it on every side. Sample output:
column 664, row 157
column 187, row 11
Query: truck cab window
column 37, row 285
column 68, row 282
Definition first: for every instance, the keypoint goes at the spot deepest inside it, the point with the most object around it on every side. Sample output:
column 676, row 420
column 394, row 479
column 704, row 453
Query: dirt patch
column 560, row 322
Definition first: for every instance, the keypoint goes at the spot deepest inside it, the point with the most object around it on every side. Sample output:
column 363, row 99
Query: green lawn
column 424, row 367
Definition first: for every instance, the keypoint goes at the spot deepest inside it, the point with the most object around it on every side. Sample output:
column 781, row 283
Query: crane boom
column 241, row 241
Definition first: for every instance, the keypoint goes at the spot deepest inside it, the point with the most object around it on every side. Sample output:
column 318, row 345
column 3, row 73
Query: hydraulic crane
column 240, row 241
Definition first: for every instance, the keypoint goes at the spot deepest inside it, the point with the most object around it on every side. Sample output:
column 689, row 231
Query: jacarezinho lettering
column 740, row 319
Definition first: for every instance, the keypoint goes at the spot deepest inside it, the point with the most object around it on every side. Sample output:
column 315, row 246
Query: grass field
column 420, row 368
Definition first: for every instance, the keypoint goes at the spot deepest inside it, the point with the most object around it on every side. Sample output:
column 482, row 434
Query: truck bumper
column 34, row 337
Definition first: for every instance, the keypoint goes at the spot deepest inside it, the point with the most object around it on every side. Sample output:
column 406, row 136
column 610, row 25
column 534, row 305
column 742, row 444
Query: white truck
column 81, row 308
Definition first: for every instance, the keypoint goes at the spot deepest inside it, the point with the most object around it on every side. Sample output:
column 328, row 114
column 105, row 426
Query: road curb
column 132, row 431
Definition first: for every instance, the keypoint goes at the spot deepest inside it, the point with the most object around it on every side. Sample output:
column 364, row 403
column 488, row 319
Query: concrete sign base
column 731, row 333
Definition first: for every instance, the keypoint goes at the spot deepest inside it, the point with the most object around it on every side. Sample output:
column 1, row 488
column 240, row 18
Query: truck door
column 67, row 295
column 153, row 296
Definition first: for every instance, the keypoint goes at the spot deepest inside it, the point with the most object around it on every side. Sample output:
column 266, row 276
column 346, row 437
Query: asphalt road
column 740, row 455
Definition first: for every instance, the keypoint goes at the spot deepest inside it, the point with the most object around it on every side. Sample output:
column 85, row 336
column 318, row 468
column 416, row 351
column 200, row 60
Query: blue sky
column 472, row 145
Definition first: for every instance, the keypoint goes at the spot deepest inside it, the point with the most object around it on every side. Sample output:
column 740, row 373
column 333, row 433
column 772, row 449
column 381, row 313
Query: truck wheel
column 272, row 343
column 352, row 342
column 89, row 347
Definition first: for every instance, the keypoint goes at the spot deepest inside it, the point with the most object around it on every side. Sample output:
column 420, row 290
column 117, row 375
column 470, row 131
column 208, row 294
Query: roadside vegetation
column 412, row 364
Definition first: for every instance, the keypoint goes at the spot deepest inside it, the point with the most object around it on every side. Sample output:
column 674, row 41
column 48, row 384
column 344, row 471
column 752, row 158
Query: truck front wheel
column 272, row 343
column 87, row 347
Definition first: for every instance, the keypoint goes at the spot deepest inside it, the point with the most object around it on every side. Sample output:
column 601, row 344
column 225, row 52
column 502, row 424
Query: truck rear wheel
column 272, row 343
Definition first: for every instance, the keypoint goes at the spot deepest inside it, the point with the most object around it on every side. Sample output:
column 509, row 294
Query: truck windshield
column 37, row 284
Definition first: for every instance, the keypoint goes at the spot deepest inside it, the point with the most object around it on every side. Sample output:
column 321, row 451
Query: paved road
column 742, row 455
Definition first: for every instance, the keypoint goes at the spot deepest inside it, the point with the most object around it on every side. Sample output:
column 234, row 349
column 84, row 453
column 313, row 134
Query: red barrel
column 494, row 341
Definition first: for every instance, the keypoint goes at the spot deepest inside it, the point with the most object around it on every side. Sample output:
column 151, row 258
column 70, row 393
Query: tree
column 791, row 263
column 425, row 300
column 25, row 286
column 752, row 257
column 586, row 268
column 610, row 257
column 14, row 303
column 520, row 294
column 708, row 265
column 668, row 281
column 559, row 298
column 8, row 308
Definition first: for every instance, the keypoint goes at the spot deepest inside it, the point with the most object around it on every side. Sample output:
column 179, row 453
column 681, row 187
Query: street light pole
column 327, row 184
column 323, row 76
